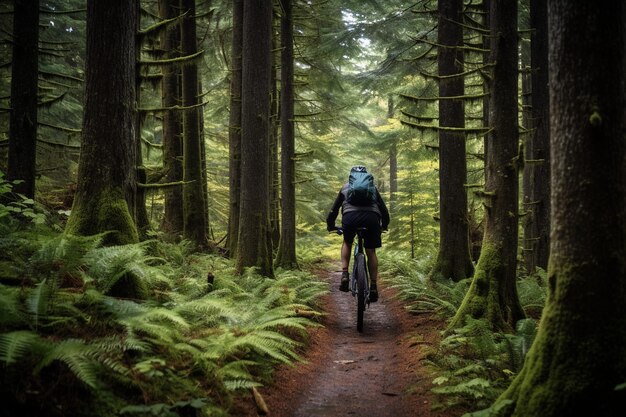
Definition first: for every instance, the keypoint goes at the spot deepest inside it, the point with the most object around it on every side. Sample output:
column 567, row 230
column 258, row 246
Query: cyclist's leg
column 349, row 233
column 372, row 240
column 372, row 264
column 346, row 251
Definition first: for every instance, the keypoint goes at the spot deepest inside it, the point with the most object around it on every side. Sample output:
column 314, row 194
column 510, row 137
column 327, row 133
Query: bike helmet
column 358, row 168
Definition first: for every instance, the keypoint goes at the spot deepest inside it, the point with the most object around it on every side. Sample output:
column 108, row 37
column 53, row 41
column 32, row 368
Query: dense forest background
column 166, row 168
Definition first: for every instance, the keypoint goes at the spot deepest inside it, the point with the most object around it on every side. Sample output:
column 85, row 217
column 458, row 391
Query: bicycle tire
column 361, row 280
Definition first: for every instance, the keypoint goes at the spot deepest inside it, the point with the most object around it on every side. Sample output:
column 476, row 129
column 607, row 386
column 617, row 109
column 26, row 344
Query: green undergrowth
column 201, row 336
column 472, row 364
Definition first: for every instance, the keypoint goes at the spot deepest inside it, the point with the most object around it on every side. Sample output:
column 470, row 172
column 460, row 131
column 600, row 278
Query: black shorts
column 351, row 220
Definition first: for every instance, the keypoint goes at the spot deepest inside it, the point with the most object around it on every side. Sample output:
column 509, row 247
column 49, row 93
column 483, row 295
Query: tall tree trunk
column 453, row 260
column 23, row 120
column 274, row 180
column 234, row 130
column 203, row 163
column 540, row 156
column 486, row 40
column 577, row 358
column 106, row 169
column 172, row 123
column 194, row 218
column 286, row 256
column 493, row 293
column 142, row 220
column 255, row 124
column 527, row 148
column 393, row 162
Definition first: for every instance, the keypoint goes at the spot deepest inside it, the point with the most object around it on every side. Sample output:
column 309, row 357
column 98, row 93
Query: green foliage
column 189, row 345
column 472, row 363
column 422, row 295
column 476, row 365
column 15, row 208
column 532, row 292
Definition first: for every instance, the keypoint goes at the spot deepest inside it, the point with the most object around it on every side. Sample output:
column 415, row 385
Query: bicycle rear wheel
column 361, row 284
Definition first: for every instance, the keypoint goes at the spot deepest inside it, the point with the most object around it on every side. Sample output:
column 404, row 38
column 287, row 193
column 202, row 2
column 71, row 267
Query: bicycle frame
column 359, row 281
column 358, row 249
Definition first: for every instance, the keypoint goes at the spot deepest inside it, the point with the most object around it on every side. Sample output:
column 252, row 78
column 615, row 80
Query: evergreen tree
column 286, row 256
column 453, row 260
column 194, row 215
column 234, row 129
column 577, row 361
column 24, row 74
column 253, row 249
column 172, row 121
column 537, row 146
column 106, row 172
column 493, row 294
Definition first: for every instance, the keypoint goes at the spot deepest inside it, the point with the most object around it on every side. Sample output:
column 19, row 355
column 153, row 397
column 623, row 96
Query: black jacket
column 341, row 201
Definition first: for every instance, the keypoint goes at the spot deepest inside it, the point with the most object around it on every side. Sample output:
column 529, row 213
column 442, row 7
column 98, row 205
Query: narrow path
column 375, row 373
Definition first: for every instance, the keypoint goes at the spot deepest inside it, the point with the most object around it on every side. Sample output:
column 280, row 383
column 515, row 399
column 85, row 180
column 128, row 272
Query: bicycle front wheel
column 361, row 285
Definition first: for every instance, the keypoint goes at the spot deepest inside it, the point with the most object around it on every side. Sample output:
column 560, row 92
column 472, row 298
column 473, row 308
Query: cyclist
column 374, row 217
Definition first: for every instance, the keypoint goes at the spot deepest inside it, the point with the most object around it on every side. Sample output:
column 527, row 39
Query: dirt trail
column 375, row 373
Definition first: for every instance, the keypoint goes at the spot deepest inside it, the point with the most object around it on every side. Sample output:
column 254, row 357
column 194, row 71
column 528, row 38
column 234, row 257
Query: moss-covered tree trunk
column 537, row 230
column 194, row 215
column 23, row 120
column 106, row 170
column 172, row 223
column 286, row 256
column 234, row 130
column 253, row 248
column 578, row 358
column 493, row 293
column 453, row 259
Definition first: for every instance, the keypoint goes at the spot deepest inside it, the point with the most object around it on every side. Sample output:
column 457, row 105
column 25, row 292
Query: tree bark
column 274, row 179
column 234, row 130
column 194, row 219
column 286, row 256
column 172, row 222
column 142, row 220
column 577, row 358
column 540, row 149
column 453, row 259
column 253, row 250
column 486, row 41
column 527, row 148
column 493, row 293
column 393, row 162
column 106, row 169
column 23, row 120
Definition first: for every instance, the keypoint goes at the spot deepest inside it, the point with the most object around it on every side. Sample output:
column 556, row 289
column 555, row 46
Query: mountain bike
column 359, row 281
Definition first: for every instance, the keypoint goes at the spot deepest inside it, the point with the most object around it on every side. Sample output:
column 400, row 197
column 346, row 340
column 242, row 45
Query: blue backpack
column 361, row 189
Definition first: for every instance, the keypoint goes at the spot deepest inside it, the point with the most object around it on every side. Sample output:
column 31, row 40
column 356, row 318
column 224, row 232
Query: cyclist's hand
column 336, row 229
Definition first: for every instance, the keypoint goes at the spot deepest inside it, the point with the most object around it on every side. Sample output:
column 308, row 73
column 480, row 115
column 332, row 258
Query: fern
column 269, row 343
column 108, row 265
column 76, row 355
column 63, row 255
column 11, row 313
column 40, row 299
column 17, row 344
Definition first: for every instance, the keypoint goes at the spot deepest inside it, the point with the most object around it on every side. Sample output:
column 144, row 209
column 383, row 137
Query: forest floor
column 378, row 372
